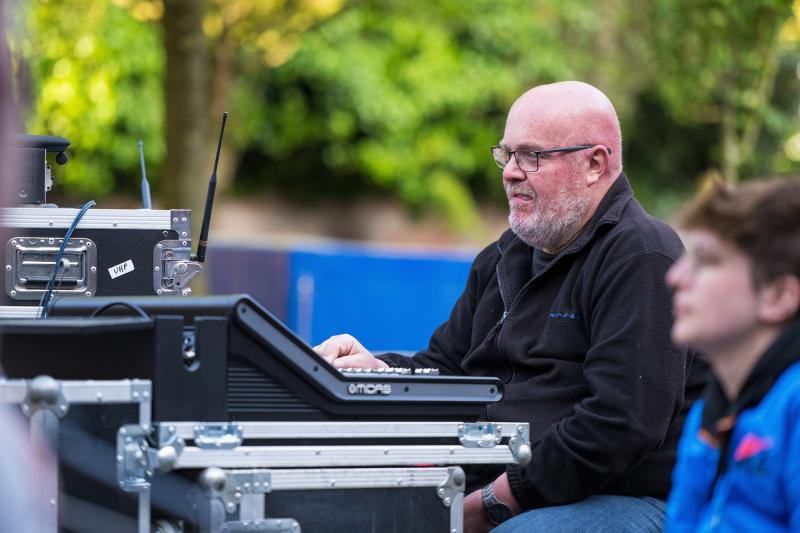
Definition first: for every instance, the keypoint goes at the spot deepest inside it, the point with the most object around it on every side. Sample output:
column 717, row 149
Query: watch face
column 498, row 513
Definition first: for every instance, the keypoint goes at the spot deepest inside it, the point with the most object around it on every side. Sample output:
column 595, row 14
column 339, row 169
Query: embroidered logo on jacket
column 750, row 446
column 570, row 316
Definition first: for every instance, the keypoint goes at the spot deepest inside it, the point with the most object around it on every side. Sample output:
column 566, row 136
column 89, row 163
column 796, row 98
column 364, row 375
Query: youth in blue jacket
column 760, row 489
column 737, row 294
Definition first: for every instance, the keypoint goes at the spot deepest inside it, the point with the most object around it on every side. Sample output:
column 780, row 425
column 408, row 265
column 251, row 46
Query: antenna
column 145, row 183
column 202, row 241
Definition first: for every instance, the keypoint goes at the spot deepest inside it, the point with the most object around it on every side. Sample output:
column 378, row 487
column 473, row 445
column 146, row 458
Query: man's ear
column 597, row 165
column 779, row 299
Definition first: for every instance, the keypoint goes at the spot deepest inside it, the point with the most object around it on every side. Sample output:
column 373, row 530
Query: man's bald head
column 571, row 113
column 549, row 204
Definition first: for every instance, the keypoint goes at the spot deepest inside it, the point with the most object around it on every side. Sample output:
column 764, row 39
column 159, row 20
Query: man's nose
column 512, row 172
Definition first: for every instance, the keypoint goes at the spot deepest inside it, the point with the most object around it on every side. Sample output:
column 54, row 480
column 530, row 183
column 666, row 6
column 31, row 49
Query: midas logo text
column 369, row 388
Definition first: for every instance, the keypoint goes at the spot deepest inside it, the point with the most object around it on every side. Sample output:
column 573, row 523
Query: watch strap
column 496, row 511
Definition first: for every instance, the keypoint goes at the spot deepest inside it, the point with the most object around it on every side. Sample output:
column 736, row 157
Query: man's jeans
column 596, row 514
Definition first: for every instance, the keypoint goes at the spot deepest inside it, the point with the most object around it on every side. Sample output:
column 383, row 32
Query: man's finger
column 359, row 360
column 320, row 348
column 327, row 351
column 338, row 346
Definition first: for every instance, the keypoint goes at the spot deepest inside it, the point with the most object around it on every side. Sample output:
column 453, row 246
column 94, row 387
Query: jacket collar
column 608, row 212
column 514, row 252
column 719, row 413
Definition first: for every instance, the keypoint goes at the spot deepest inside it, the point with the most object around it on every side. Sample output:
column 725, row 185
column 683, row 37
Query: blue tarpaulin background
column 389, row 299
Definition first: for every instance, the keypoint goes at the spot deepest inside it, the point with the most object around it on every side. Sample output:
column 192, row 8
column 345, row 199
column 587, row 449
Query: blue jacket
column 760, row 489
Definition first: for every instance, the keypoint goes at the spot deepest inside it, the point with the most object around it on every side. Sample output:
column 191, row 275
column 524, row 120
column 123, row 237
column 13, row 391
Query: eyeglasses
column 528, row 160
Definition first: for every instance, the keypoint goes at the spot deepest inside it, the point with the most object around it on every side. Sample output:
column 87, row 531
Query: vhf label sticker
column 121, row 269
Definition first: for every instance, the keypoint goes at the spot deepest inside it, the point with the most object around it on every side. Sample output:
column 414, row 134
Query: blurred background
column 356, row 182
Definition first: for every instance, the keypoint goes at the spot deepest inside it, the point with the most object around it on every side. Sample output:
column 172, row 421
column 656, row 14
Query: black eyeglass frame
column 565, row 149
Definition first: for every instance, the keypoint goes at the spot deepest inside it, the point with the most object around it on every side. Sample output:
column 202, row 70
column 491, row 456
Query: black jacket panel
column 584, row 351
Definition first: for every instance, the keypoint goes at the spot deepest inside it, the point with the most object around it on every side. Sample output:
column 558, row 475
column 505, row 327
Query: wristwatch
column 496, row 511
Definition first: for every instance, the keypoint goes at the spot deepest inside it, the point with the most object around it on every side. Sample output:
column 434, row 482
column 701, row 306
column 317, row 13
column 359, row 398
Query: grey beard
column 551, row 227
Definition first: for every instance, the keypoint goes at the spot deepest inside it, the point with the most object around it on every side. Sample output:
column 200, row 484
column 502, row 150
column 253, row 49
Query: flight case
column 249, row 476
column 78, row 421
column 113, row 252
column 324, row 500
column 322, row 476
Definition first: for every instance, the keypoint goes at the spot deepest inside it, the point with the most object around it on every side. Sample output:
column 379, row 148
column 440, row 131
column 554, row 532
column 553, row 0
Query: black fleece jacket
column 584, row 351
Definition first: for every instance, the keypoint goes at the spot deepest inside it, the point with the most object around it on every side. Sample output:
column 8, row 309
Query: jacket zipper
column 506, row 309
column 508, row 312
column 499, row 324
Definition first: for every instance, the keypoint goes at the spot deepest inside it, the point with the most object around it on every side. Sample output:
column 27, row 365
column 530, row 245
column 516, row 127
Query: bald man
column 569, row 309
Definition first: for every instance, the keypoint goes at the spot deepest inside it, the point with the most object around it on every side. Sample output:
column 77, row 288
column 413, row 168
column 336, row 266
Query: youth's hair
column 761, row 218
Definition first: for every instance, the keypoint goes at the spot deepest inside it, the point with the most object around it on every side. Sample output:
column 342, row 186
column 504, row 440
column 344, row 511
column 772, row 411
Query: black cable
column 132, row 307
column 58, row 288
column 44, row 303
column 48, row 291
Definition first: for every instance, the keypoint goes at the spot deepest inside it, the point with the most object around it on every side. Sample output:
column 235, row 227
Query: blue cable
column 44, row 304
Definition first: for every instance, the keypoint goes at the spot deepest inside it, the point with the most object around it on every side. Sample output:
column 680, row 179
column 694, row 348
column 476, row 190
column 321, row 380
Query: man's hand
column 344, row 351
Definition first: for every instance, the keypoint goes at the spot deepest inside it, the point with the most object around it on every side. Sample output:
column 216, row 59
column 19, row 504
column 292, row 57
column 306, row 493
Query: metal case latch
column 31, row 263
column 480, row 435
column 217, row 436
column 133, row 459
column 268, row 525
column 137, row 460
column 173, row 268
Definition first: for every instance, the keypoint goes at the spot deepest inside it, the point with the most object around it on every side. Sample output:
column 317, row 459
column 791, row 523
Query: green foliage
column 390, row 97
column 97, row 75
column 411, row 96
column 664, row 158
column 723, row 71
column 712, row 46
